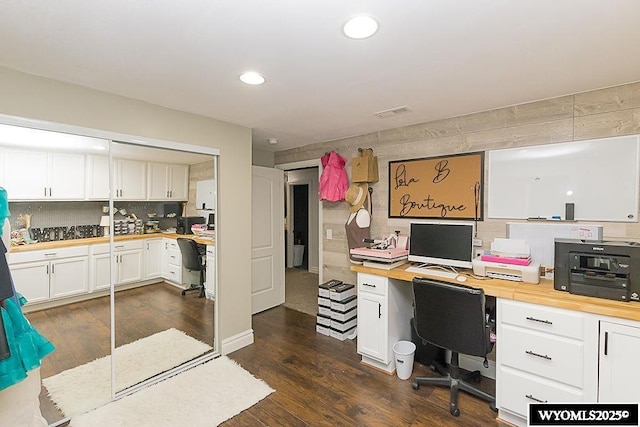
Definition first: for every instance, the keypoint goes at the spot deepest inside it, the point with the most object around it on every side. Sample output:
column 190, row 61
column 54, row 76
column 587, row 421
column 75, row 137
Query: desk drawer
column 174, row 257
column 556, row 358
column 518, row 389
column 373, row 284
column 545, row 319
column 174, row 274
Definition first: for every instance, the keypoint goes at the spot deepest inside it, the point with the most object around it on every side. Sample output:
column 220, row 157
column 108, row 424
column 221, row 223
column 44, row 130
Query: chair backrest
column 451, row 316
column 191, row 258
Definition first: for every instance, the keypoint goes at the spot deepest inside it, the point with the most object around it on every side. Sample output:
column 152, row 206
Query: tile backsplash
column 66, row 214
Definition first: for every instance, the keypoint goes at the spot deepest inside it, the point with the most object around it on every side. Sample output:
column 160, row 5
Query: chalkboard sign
column 445, row 187
column 599, row 177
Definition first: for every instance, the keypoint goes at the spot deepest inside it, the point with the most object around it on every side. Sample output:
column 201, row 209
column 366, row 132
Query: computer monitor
column 447, row 244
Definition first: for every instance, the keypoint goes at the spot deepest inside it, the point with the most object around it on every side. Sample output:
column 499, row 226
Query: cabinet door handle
column 49, row 191
column 47, row 270
column 606, row 343
column 53, row 269
column 366, row 284
column 51, row 254
column 528, row 396
column 379, row 310
column 167, row 193
column 537, row 355
column 533, row 319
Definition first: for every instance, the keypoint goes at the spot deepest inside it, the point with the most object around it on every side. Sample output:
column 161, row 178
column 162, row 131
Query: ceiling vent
column 392, row 112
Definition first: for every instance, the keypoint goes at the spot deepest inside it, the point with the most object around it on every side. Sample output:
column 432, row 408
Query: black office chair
column 192, row 260
column 452, row 316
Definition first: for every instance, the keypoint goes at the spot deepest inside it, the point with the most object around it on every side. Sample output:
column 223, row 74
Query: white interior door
column 267, row 238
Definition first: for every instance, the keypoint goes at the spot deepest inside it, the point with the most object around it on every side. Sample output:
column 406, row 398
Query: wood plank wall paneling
column 601, row 113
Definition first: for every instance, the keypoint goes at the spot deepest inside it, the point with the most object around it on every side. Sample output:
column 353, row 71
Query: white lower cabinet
column 619, row 350
column 210, row 277
column 152, row 258
column 43, row 275
column 128, row 258
column 541, row 358
column 384, row 313
column 172, row 261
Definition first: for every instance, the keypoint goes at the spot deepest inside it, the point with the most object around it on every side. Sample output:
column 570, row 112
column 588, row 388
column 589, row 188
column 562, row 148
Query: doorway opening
column 303, row 238
column 301, row 226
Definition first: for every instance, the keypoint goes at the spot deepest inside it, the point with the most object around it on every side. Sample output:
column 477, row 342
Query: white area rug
column 205, row 395
column 85, row 387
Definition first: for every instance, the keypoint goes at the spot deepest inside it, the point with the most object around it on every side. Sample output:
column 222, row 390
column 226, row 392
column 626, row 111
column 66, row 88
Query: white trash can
column 404, row 352
column 298, row 253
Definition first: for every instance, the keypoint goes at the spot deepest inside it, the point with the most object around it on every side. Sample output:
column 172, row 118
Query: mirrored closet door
column 97, row 249
column 163, row 264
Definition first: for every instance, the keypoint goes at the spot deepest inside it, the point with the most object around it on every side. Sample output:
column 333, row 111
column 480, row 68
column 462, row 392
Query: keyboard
column 432, row 272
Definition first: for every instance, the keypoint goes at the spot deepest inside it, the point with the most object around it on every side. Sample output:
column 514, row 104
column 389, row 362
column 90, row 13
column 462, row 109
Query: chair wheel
column 184, row 293
column 455, row 412
column 415, row 385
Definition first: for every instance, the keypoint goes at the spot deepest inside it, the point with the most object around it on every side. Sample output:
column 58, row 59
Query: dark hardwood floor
column 320, row 381
column 81, row 331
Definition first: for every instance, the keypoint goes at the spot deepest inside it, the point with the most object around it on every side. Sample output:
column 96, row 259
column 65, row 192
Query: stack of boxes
column 337, row 310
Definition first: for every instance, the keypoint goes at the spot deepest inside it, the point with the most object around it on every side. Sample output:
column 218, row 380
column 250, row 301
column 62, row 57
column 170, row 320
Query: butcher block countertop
column 97, row 240
column 542, row 293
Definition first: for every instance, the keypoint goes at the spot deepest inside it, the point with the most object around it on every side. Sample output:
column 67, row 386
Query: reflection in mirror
column 57, row 185
column 162, row 259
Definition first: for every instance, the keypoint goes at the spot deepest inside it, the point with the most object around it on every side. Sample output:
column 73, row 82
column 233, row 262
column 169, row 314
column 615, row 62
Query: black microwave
column 184, row 223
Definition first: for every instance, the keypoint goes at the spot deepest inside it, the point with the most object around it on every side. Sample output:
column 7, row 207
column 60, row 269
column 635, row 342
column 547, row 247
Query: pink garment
column 333, row 182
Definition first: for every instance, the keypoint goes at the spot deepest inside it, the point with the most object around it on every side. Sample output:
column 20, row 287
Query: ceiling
column 441, row 58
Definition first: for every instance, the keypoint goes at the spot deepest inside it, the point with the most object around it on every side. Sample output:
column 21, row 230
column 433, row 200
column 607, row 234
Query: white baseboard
column 472, row 363
column 236, row 342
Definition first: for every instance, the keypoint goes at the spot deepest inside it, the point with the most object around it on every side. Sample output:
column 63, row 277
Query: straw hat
column 356, row 195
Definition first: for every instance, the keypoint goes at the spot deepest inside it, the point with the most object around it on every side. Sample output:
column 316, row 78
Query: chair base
column 455, row 382
column 194, row 287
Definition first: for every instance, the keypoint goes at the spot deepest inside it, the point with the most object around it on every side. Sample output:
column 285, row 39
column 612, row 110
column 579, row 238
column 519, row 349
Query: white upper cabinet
column 130, row 179
column 168, row 181
column 36, row 175
column 97, row 185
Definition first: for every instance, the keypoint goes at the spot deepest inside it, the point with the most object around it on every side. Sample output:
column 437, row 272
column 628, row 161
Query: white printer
column 519, row 273
column 508, row 259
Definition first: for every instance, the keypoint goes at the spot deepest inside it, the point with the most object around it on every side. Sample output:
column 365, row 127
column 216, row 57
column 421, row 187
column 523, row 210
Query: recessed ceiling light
column 252, row 78
column 272, row 141
column 360, row 27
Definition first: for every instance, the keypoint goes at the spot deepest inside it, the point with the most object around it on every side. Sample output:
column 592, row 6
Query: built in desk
column 552, row 346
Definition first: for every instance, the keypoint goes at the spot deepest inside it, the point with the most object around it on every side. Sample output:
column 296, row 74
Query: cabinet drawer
column 545, row 355
column 517, row 389
column 50, row 254
column 546, row 319
column 174, row 273
column 128, row 245
column 374, row 284
column 174, row 257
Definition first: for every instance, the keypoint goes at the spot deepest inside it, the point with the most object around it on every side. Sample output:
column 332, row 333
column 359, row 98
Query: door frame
column 313, row 163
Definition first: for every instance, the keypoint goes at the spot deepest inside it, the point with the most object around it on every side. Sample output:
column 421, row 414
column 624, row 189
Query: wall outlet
column 477, row 242
column 329, row 234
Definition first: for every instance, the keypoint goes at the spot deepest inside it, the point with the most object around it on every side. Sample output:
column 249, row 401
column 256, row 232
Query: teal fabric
column 27, row 346
column 4, row 207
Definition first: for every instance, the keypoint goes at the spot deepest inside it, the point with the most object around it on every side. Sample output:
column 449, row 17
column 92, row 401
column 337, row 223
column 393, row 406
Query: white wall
column 32, row 97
